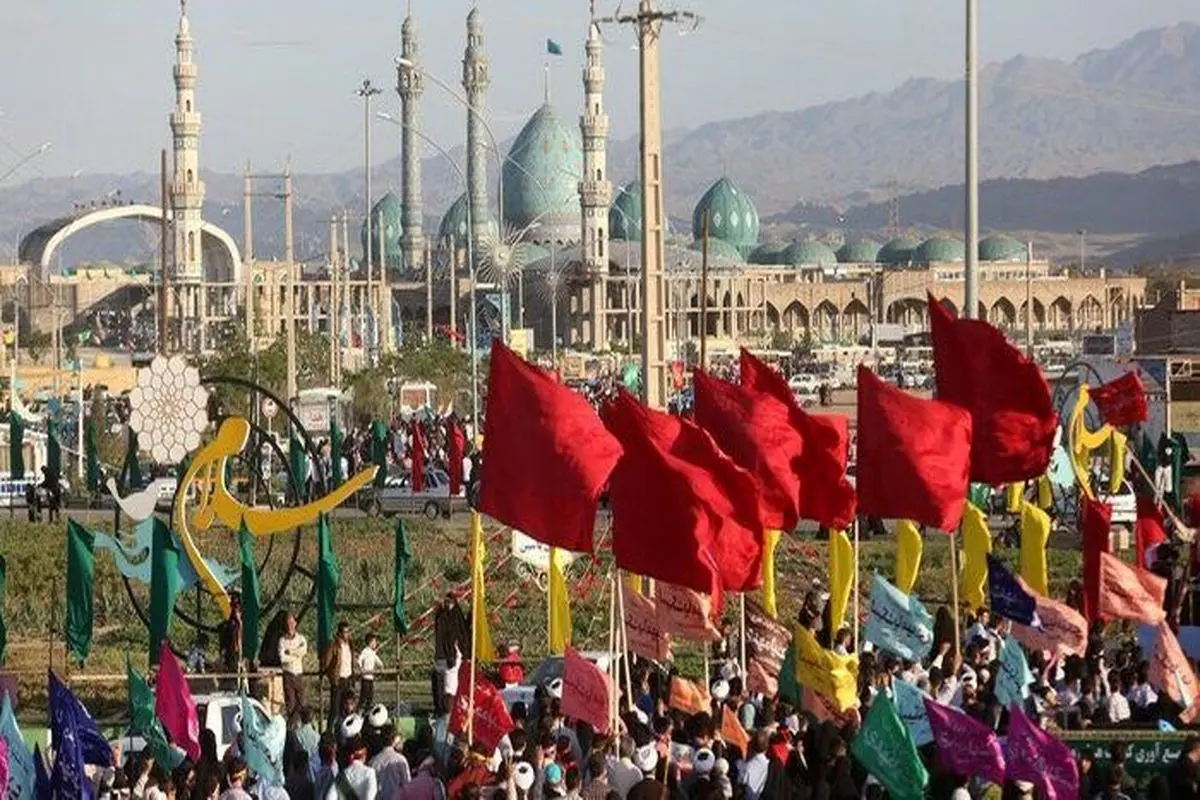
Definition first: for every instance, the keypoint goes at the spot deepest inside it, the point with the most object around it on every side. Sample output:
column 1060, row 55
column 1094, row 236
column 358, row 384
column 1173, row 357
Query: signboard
column 1149, row 753
column 269, row 409
column 537, row 555
column 1185, row 416
column 520, row 340
column 314, row 417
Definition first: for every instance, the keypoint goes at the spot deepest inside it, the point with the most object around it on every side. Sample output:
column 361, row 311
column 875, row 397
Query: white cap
column 523, row 775
column 703, row 761
column 378, row 716
column 641, row 715
column 351, row 726
column 555, row 688
column 721, row 766
column 1024, row 786
column 792, row 723
column 646, row 757
column 720, row 689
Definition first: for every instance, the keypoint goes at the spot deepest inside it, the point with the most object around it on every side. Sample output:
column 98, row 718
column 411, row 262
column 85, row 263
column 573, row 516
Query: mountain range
column 1047, row 129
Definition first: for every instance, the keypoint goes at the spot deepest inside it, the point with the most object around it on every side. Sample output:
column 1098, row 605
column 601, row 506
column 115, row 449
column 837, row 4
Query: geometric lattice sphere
column 169, row 409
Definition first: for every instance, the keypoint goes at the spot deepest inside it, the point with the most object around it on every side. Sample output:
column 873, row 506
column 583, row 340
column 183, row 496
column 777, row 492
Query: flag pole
column 612, row 643
column 742, row 637
column 856, row 600
column 475, row 566
column 624, row 639
column 954, row 590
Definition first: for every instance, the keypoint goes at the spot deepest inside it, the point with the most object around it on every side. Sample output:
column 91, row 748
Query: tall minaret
column 187, row 190
column 475, row 82
column 595, row 190
column 410, row 85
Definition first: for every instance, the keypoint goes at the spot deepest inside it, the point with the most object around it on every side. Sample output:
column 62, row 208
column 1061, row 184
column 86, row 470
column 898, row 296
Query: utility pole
column 649, row 22
column 289, row 257
column 332, row 316
column 971, row 273
column 1029, row 300
column 366, row 92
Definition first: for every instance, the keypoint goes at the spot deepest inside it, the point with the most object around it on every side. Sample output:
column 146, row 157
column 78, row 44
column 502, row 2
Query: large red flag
column 418, row 457
column 1122, row 401
column 1172, row 673
column 757, row 433
column 1095, row 521
column 456, row 446
column 491, row 721
column 547, row 455
column 1012, row 416
column 683, row 511
column 1128, row 593
column 913, row 455
column 173, row 704
column 825, row 494
column 1148, row 531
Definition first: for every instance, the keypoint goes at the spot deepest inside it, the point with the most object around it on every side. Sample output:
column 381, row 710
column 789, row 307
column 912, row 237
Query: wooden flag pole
column 612, row 644
column 857, row 644
column 397, row 657
column 475, row 570
column 742, row 636
column 954, row 591
column 620, row 579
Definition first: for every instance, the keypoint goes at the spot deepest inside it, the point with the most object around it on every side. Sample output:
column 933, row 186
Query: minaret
column 595, row 190
column 475, row 82
column 410, row 85
column 187, row 190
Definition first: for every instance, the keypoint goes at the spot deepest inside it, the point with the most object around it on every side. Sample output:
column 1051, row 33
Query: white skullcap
column 720, row 689
column 351, row 726
column 641, row 715
column 555, row 688
column 721, row 766
column 646, row 758
column 378, row 716
column 704, row 761
column 523, row 775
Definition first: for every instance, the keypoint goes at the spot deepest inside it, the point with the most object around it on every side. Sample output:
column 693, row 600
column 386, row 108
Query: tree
column 36, row 343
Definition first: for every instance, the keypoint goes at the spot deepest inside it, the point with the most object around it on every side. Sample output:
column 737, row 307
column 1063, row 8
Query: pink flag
column 1041, row 759
column 965, row 746
column 587, row 692
column 174, row 706
column 1172, row 673
column 1129, row 593
column 4, row 771
column 685, row 612
column 646, row 635
column 1064, row 630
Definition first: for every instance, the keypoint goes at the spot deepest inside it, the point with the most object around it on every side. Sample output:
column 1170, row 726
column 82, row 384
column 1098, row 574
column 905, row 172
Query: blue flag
column 263, row 744
column 67, row 778
column 1014, row 677
column 93, row 747
column 898, row 623
column 21, row 775
column 1007, row 598
column 42, row 789
column 910, row 705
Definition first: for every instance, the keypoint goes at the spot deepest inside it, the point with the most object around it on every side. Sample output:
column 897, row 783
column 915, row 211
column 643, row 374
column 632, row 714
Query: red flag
column 685, row 613
column 1095, row 522
column 1148, row 531
column 913, row 455
column 173, row 704
column 825, row 494
column 418, row 457
column 758, row 435
column 586, row 691
column 1172, row 673
column 491, row 722
column 547, row 456
column 1063, row 629
column 1122, row 401
column 1128, row 593
column 646, row 635
column 1012, row 416
column 701, row 529
column 456, row 446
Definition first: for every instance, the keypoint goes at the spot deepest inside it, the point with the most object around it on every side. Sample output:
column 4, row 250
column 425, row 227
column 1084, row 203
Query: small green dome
column 386, row 213
column 541, row 178
column 769, row 253
column 810, row 254
column 625, row 216
column 938, row 249
column 1001, row 248
column 897, row 252
column 732, row 216
column 719, row 251
column 864, row 251
column 454, row 229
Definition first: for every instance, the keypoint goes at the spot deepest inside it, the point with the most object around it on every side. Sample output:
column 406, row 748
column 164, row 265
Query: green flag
column 328, row 578
column 251, row 593
column 403, row 556
column 336, row 439
column 144, row 722
column 885, row 749
column 164, row 585
column 553, row 48
column 788, row 687
column 3, row 591
column 298, row 461
column 379, row 450
column 92, row 454
column 16, row 446
column 980, row 495
column 53, row 452
column 131, row 470
column 81, row 573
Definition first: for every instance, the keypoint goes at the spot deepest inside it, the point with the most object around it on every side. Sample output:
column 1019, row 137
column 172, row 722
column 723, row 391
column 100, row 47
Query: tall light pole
column 971, row 273
column 366, row 92
column 40, row 151
column 1082, row 250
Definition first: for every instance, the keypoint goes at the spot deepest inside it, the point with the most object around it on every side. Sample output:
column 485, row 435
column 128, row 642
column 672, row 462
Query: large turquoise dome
column 864, row 251
column 809, row 254
column 732, row 216
column 769, row 253
column 453, row 229
column 625, row 216
column 1001, row 248
column 386, row 213
column 541, row 179
column 940, row 249
column 897, row 252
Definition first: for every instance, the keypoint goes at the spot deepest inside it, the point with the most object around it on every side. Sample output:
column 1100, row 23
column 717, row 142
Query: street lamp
column 366, row 92
column 45, row 148
column 1082, row 251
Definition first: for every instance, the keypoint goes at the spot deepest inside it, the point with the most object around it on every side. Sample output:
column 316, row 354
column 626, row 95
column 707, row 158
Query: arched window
column 191, row 177
column 191, row 246
column 600, row 243
column 599, row 175
column 187, row 104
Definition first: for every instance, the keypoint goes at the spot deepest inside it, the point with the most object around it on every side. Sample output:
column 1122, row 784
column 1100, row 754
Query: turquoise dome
column 454, row 228
column 810, row 254
column 732, row 216
column 864, row 251
column 719, row 251
column 769, row 253
column 386, row 213
column 897, row 252
column 541, row 179
column 625, row 216
column 939, row 249
column 1001, row 248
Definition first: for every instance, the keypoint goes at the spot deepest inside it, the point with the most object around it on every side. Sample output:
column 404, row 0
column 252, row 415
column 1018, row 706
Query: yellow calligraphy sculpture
column 214, row 502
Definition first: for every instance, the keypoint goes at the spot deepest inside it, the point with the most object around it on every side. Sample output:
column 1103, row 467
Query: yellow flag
column 909, row 546
column 560, row 606
column 482, row 633
column 635, row 583
column 1035, row 532
column 1014, row 494
column 841, row 577
column 824, row 671
column 1045, row 493
column 1116, row 468
column 768, row 573
column 977, row 543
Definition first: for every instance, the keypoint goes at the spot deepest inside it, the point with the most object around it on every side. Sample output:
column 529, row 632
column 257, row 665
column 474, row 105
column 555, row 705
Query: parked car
column 397, row 497
column 220, row 713
column 545, row 673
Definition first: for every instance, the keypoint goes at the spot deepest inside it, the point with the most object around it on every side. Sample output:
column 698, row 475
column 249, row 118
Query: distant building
column 1171, row 326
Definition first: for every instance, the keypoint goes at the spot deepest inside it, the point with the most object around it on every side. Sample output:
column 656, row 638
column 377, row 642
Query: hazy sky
column 277, row 77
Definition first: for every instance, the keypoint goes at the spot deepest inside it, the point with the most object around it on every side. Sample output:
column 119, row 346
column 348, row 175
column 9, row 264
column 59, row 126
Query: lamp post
column 366, row 92
column 1082, row 251
column 40, row 151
